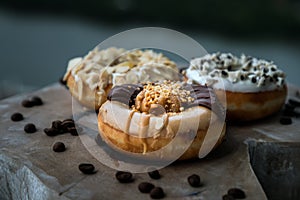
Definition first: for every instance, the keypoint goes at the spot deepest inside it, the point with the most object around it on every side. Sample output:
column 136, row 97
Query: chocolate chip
column 229, row 67
column 224, row 73
column 285, row 120
column 242, row 77
column 59, row 147
column 254, row 68
column 145, row 187
column 157, row 193
column 67, row 124
column 51, row 131
column 27, row 103
column 124, row 177
column 73, row 131
column 16, row 117
column 37, row 101
column 228, row 197
column 30, row 128
column 154, row 174
column 194, row 180
column 87, row 168
column 57, row 124
column 294, row 102
column 273, row 69
column 236, row 193
column 253, row 79
column 266, row 70
column 271, row 79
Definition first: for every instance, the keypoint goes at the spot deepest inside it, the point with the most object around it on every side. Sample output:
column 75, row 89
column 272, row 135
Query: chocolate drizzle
column 201, row 95
column 125, row 93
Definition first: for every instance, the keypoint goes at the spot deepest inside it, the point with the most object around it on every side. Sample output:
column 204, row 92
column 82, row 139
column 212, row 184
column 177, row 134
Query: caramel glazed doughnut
column 163, row 116
column 89, row 79
column 254, row 88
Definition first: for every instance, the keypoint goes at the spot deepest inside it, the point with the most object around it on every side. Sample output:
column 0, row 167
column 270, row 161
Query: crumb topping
column 169, row 95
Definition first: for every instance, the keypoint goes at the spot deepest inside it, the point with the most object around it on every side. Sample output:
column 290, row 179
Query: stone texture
column 31, row 170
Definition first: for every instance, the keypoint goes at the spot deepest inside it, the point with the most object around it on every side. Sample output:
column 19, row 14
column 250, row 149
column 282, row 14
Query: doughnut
column 255, row 88
column 167, row 118
column 89, row 79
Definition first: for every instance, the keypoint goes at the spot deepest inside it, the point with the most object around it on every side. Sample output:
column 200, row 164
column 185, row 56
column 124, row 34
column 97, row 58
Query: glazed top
column 236, row 74
column 160, row 97
column 117, row 66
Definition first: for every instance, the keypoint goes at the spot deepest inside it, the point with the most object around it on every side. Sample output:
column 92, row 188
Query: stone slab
column 31, row 170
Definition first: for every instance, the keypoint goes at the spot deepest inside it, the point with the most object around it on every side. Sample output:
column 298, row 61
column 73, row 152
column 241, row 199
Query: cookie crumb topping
column 169, row 95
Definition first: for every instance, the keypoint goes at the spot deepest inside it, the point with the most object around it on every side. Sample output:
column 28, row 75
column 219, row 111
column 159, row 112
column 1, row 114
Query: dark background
column 38, row 37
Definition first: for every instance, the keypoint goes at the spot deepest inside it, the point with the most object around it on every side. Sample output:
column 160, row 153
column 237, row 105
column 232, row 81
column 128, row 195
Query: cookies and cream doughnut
column 90, row 78
column 165, row 117
column 255, row 88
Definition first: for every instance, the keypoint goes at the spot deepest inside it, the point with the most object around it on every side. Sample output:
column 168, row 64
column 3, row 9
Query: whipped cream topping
column 117, row 66
column 236, row 74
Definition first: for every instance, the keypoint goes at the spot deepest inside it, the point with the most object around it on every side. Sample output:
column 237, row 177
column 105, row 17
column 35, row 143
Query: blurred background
column 38, row 37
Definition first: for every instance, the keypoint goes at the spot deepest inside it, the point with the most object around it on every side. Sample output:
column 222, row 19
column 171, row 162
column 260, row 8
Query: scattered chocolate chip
column 273, row 69
column 59, row 147
column 145, row 187
column 87, row 168
column 228, row 197
column 27, row 103
column 51, row 131
column 242, row 77
column 73, row 131
column 30, row 128
column 66, row 125
column 124, row 177
column 229, row 67
column 194, row 180
column 154, row 174
column 37, row 101
column 236, row 193
column 57, row 124
column 285, row 120
column 16, row 117
column 157, row 193
column 253, row 79
column 294, row 102
column 254, row 68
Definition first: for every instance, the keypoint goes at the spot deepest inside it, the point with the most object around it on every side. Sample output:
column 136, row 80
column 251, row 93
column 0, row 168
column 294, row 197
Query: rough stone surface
column 31, row 170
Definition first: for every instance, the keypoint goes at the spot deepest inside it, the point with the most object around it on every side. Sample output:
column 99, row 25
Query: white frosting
column 244, row 74
column 117, row 66
column 116, row 114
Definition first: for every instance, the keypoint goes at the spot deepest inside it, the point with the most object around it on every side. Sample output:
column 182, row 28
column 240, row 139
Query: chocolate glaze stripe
column 126, row 93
